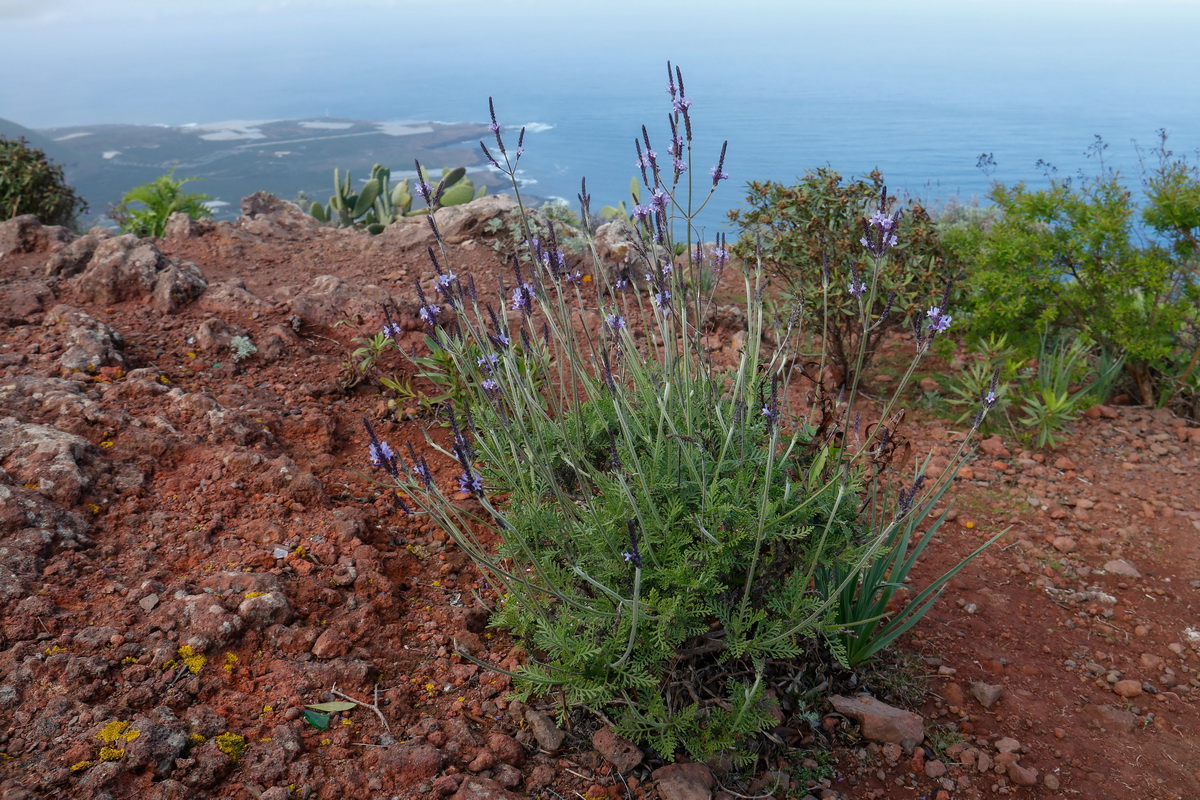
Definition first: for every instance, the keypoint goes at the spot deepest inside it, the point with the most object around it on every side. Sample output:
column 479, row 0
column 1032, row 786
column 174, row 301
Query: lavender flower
column 857, row 289
column 641, row 211
column 444, row 281
column 495, row 126
column 718, row 172
column 878, row 229
column 938, row 322
column 882, row 221
column 675, row 149
column 491, row 161
column 906, row 496
column 520, row 298
column 392, row 330
column 681, row 104
column 470, row 483
column 380, row 453
column 633, row 555
column 659, row 200
column 429, row 313
column 989, row 400
column 487, row 362
column 719, row 256
column 679, row 166
column 420, row 469
column 614, row 322
column 489, row 385
column 423, row 187
column 662, row 300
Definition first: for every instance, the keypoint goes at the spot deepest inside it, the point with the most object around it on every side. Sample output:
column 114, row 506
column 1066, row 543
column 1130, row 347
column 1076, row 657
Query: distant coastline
column 235, row 158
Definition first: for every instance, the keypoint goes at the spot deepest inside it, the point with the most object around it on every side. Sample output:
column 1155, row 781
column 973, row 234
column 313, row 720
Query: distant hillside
column 238, row 158
column 56, row 151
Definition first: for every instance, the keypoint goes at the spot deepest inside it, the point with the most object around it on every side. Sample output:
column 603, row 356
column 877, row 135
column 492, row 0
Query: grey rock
column 691, row 781
column 128, row 268
column 266, row 609
column 203, row 615
column 264, row 207
column 231, row 294
column 1119, row 566
column 1008, row 745
column 544, row 730
column 622, row 754
column 1110, row 718
column 475, row 787
column 987, row 694
column 61, row 465
column 328, row 300
column 881, row 722
column 90, row 343
column 26, row 234
column 70, row 259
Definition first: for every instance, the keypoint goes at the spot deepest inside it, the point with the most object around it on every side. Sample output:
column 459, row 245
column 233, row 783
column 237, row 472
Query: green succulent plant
column 378, row 204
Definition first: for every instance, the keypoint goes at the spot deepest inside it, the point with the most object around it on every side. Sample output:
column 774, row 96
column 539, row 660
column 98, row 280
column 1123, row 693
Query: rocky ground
column 191, row 551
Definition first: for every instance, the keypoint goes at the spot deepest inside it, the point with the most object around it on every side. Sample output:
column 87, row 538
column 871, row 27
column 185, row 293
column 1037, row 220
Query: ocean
column 918, row 89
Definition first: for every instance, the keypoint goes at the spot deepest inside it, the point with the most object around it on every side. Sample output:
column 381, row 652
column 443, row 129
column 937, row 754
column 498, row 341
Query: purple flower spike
column 938, row 322
column 381, row 453
column 470, row 483
column 718, row 172
column 495, row 126
column 429, row 313
column 487, row 154
column 614, row 322
column 641, row 211
column 633, row 555
column 878, row 229
column 487, row 362
column 392, row 330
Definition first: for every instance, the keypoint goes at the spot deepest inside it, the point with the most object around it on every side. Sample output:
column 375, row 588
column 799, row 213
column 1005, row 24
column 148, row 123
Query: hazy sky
column 916, row 87
column 86, row 61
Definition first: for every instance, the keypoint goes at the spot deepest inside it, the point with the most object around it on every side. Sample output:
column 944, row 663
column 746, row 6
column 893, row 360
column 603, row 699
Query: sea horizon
column 792, row 86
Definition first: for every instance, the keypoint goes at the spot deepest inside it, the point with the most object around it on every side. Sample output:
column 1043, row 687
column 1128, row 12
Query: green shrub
column 30, row 184
column 808, row 236
column 145, row 209
column 1072, row 256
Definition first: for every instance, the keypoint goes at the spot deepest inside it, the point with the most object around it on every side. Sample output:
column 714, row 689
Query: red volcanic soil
column 192, row 550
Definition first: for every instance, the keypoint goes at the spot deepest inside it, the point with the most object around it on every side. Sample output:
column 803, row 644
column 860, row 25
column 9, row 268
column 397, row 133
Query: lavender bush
column 673, row 534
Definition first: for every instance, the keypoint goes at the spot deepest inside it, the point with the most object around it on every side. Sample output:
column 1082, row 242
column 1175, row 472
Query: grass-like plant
column 666, row 533
column 145, row 209
column 1036, row 402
